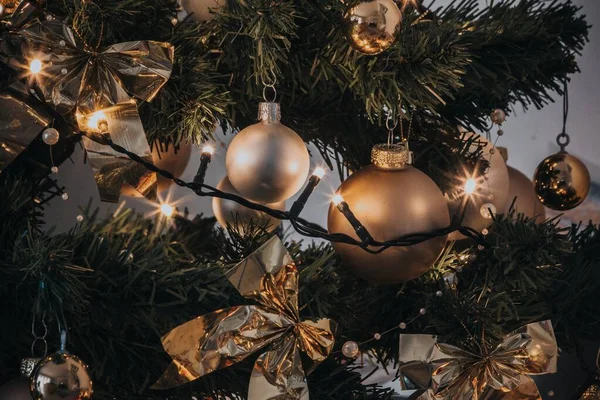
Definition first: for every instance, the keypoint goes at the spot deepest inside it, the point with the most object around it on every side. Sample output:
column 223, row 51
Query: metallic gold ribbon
column 77, row 77
column 450, row 373
column 225, row 337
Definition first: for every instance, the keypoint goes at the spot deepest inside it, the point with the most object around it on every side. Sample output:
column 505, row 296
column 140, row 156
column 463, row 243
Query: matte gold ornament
column 273, row 327
column 561, row 181
column 447, row 372
column 526, row 202
column 493, row 190
column 371, row 25
column 267, row 162
column 16, row 389
column 174, row 160
column 61, row 376
column 391, row 199
column 200, row 10
column 231, row 213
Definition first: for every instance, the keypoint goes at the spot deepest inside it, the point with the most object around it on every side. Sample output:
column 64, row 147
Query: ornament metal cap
column 390, row 156
column 269, row 112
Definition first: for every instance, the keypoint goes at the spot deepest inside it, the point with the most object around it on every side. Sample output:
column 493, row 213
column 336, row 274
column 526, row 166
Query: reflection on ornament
column 199, row 10
column 230, row 213
column 391, row 199
column 350, row 349
column 561, row 181
column 61, row 376
column 371, row 25
column 493, row 190
column 267, row 162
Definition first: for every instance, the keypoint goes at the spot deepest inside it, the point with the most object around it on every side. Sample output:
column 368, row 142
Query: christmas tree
column 431, row 264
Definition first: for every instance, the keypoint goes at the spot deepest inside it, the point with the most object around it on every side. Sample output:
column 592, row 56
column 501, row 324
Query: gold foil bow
column 450, row 373
column 225, row 337
column 78, row 77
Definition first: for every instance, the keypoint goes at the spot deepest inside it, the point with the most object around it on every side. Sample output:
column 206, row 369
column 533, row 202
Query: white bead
column 174, row 21
column 498, row 116
column 402, row 325
column 50, row 136
column 64, row 71
column 487, row 211
column 422, row 311
column 480, row 247
column 49, row 17
column 350, row 349
column 54, row 170
column 551, row 393
column 62, row 43
column 65, row 196
column 493, row 150
column 485, row 232
column 439, row 293
column 80, row 218
column 377, row 336
column 500, row 132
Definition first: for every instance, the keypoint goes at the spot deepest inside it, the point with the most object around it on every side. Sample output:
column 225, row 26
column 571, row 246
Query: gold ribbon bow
column 225, row 337
column 78, row 77
column 450, row 373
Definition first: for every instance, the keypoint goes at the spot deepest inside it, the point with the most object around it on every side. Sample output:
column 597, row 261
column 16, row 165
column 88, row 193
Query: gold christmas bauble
column 267, row 162
column 521, row 190
column 228, row 212
column 174, row 160
column 561, row 181
column 391, row 199
column 490, row 193
column 371, row 25
column 61, row 376
column 199, row 10
column 16, row 389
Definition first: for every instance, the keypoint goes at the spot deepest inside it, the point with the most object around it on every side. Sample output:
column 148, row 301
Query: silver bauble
column 50, row 136
column 267, row 162
column 492, row 190
column 228, row 212
column 199, row 10
column 371, row 25
column 391, row 199
column 173, row 160
column 561, row 181
column 61, row 376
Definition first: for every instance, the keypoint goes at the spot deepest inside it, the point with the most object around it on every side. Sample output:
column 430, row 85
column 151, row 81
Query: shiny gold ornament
column 200, row 10
column 273, row 327
column 174, row 160
column 61, row 376
column 592, row 392
column 267, row 162
column 561, row 181
column 447, row 372
column 492, row 190
column 391, row 199
column 231, row 213
column 371, row 25
column 97, row 84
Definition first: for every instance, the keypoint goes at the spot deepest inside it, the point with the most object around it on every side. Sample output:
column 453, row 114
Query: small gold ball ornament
column 391, row 199
column 61, row 376
column 200, row 10
column 228, row 212
column 561, row 181
column 371, row 25
column 491, row 189
column 267, row 162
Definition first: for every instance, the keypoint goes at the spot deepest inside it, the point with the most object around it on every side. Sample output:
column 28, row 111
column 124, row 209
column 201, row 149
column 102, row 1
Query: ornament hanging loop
column 269, row 82
column 391, row 124
column 39, row 337
column 563, row 140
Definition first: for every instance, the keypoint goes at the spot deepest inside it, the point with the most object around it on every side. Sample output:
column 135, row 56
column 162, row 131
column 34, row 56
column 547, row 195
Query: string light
column 97, row 121
column 205, row 158
column 35, row 66
column 167, row 210
column 337, row 199
column 313, row 181
column 470, row 186
column 359, row 228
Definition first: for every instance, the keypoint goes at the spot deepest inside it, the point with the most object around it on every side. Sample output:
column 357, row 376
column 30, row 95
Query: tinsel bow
column 225, row 337
column 449, row 373
column 77, row 76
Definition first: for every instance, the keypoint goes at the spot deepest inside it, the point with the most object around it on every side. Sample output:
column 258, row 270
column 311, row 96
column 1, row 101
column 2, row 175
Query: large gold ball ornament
column 391, row 199
column 492, row 188
column 200, row 10
column 61, row 376
column 174, row 160
column 561, row 181
column 267, row 162
column 230, row 213
column 522, row 192
column 371, row 26
column 16, row 389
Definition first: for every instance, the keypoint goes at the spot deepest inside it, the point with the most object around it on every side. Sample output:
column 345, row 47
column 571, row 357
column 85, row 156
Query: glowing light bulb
column 208, row 149
column 1, row 9
column 97, row 121
column 337, row 199
column 319, row 172
column 35, row 66
column 167, row 210
column 470, row 186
